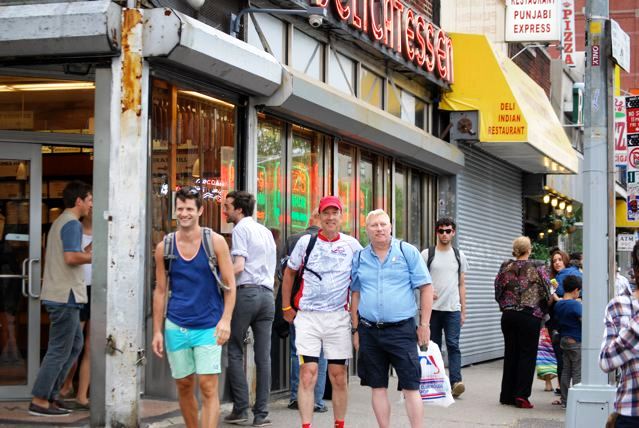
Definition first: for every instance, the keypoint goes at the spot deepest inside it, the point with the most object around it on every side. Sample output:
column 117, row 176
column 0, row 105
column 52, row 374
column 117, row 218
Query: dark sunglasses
column 446, row 231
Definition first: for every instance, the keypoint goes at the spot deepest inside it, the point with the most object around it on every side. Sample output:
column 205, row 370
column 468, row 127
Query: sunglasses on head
column 446, row 231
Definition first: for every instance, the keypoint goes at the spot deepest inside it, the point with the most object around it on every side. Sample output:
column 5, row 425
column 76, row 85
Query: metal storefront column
column 120, row 241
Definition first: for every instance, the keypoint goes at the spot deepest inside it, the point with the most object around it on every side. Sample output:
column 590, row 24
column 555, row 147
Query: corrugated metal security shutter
column 489, row 217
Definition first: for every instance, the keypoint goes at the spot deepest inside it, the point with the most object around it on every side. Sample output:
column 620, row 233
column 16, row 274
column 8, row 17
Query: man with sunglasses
column 447, row 266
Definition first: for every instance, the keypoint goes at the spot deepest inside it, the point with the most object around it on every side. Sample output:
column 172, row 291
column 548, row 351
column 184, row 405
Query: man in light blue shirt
column 384, row 277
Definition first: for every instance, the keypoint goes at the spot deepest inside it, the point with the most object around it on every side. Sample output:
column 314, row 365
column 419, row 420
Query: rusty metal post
column 120, row 189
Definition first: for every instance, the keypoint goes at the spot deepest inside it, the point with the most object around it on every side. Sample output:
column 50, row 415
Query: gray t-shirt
column 444, row 271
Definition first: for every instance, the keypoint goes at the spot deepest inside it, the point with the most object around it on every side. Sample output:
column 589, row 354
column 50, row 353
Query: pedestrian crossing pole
column 591, row 401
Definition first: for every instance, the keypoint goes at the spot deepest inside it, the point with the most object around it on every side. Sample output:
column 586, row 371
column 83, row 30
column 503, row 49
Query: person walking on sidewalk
column 522, row 290
column 383, row 308
column 620, row 348
column 198, row 319
column 322, row 322
column 254, row 259
column 322, row 364
column 447, row 266
column 63, row 294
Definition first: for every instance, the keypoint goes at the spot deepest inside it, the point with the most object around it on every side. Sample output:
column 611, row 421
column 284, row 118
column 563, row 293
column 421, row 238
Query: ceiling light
column 546, row 199
column 554, row 202
column 61, row 86
column 562, row 205
column 569, row 208
column 206, row 98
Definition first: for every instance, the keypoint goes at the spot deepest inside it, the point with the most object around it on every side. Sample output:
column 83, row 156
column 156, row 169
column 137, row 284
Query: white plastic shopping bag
column 434, row 386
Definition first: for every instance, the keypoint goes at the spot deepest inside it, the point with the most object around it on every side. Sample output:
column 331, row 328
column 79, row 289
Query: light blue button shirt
column 387, row 289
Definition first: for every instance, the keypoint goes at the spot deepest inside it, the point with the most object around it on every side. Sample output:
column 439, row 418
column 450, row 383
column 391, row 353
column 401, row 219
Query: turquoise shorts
column 192, row 350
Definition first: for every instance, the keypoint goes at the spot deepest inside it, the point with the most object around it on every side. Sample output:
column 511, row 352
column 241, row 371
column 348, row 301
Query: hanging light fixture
column 562, row 205
column 569, row 208
column 554, row 202
column 546, row 198
column 541, row 235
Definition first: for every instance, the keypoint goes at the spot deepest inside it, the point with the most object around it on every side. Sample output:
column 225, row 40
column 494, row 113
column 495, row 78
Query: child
column 568, row 316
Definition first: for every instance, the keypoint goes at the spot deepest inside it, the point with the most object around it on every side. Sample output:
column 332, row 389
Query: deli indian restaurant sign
column 399, row 28
column 533, row 20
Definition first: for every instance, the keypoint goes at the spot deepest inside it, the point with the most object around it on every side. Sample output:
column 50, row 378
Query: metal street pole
column 591, row 401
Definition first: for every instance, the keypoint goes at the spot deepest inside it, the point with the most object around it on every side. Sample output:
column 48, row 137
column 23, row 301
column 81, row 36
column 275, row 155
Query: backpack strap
column 309, row 248
column 169, row 256
column 431, row 256
column 207, row 243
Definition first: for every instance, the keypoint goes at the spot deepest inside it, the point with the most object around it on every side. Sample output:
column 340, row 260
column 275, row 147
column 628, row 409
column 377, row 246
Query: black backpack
column 280, row 325
column 431, row 256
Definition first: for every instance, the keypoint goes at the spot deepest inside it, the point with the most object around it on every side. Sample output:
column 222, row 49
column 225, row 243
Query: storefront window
column 307, row 176
column 366, row 194
column 341, row 72
column 347, row 189
column 307, row 55
column 415, row 210
column 372, row 88
column 394, row 107
column 274, row 31
column 46, row 105
column 193, row 139
column 270, row 172
column 400, row 203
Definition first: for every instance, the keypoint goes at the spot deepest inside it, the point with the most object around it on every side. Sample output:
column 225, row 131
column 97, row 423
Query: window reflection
column 270, row 157
column 366, row 194
column 346, row 187
column 307, row 176
column 193, row 138
column 415, row 227
column 400, row 203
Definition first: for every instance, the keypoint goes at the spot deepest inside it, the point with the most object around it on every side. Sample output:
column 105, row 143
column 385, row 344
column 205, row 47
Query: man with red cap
column 323, row 320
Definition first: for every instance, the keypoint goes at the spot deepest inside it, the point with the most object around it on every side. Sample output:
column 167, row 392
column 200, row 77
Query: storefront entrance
column 32, row 177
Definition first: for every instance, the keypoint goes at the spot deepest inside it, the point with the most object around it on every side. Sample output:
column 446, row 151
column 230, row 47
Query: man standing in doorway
column 322, row 322
column 448, row 265
column 63, row 294
column 383, row 308
column 198, row 320
column 254, row 254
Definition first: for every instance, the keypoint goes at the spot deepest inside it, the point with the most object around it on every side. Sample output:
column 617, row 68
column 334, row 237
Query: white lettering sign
column 625, row 242
column 620, row 46
column 533, row 20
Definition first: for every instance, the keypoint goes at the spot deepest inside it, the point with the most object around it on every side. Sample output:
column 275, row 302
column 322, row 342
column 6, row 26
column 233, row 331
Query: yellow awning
column 621, row 216
column 516, row 120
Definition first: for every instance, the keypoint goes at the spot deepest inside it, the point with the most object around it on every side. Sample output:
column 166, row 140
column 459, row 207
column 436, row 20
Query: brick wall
column 534, row 63
column 425, row 7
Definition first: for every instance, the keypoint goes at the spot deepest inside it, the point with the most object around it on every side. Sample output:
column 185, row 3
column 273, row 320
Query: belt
column 382, row 325
column 253, row 286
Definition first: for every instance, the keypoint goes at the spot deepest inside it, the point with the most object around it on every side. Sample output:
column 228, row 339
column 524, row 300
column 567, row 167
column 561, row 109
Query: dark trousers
column 450, row 324
column 627, row 421
column 255, row 308
column 572, row 366
column 521, row 337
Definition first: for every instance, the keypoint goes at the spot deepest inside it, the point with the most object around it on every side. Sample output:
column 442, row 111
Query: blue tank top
column 195, row 300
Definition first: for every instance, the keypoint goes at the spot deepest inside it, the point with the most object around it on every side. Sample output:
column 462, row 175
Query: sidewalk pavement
column 477, row 407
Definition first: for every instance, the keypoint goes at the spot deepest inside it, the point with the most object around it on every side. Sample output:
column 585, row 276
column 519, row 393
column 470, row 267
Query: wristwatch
column 353, row 330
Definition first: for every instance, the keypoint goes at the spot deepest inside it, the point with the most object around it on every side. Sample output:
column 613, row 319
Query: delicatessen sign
column 400, row 28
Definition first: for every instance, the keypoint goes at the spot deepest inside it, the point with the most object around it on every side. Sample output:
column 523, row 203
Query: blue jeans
column 255, row 308
column 450, row 323
column 65, row 344
column 295, row 372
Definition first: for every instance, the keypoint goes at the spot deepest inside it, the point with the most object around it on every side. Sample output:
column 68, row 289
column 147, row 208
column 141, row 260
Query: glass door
column 20, row 267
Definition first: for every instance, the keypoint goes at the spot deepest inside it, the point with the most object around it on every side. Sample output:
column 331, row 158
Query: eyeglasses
column 446, row 231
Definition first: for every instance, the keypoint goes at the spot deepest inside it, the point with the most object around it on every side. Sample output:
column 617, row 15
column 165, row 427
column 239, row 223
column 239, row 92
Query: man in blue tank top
column 198, row 320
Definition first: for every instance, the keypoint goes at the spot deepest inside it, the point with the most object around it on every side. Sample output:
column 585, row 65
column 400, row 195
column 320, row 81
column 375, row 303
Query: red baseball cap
column 330, row 201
